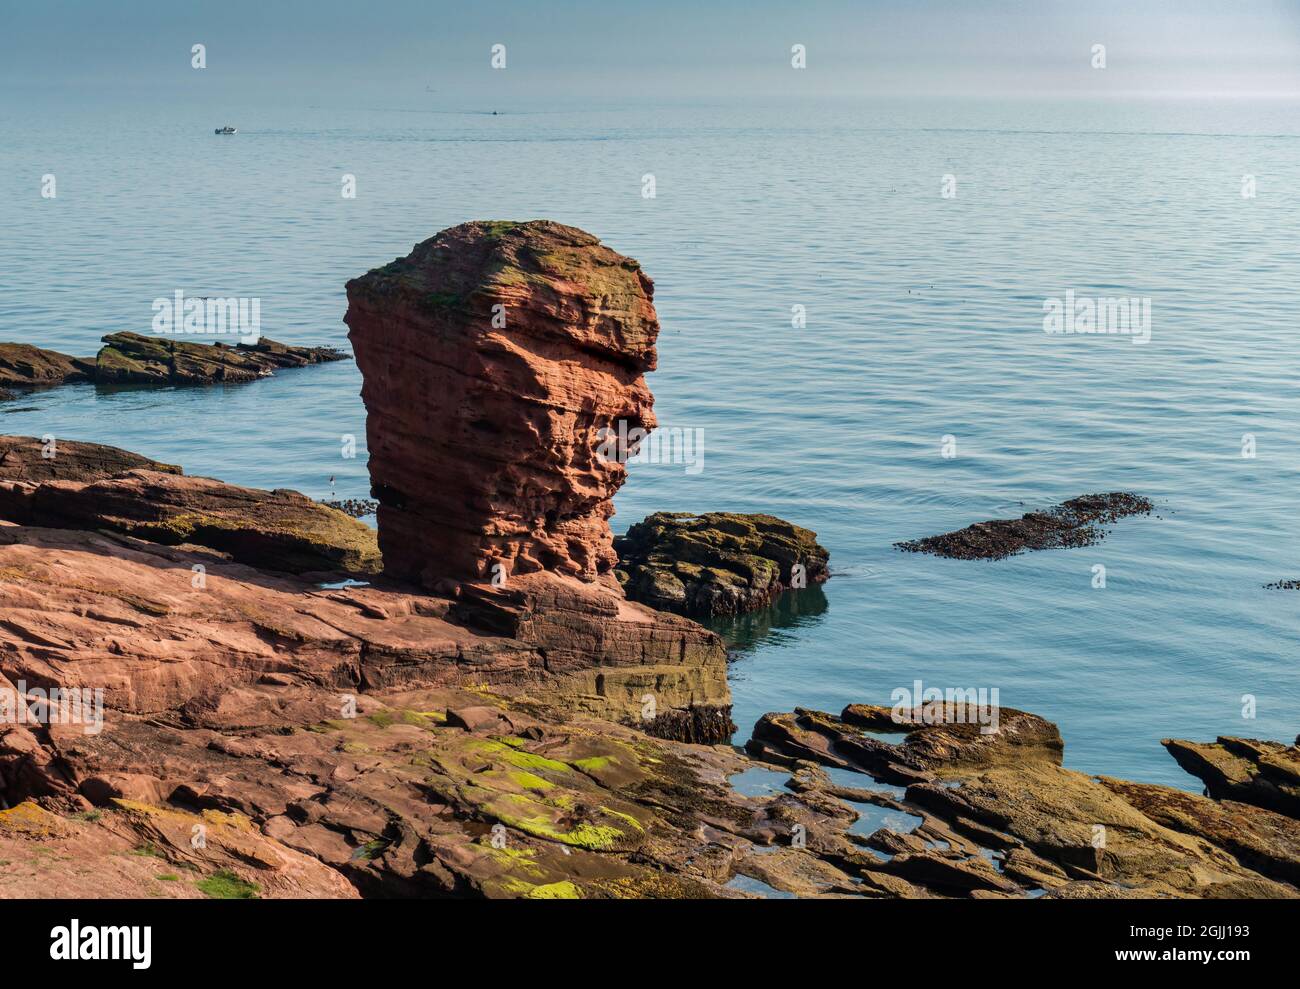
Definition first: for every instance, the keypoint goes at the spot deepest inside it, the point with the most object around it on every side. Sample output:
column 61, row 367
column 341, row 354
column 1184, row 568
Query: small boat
column 226, row 130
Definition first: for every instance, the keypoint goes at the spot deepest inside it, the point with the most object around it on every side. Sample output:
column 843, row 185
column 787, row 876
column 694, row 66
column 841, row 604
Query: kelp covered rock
column 718, row 563
column 1069, row 525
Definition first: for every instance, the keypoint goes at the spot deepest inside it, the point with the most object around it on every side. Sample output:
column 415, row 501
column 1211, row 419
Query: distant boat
column 226, row 130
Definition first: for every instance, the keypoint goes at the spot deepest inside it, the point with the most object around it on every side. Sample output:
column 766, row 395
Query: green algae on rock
column 717, row 563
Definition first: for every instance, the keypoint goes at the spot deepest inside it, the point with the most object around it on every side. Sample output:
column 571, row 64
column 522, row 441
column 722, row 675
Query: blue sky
column 407, row 52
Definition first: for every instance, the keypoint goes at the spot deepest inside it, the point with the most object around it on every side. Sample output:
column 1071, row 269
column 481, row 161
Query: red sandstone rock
column 484, row 437
column 277, row 530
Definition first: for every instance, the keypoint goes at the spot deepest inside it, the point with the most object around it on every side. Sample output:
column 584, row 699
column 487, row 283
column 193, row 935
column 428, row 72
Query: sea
column 853, row 297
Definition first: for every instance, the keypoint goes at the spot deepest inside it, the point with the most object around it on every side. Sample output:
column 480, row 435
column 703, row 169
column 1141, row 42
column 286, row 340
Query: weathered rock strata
column 1266, row 774
column 493, row 355
column 28, row 460
column 1048, row 828
column 130, row 358
column 365, row 741
column 89, row 486
column 718, row 563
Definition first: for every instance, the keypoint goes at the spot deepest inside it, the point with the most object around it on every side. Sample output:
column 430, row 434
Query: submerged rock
column 1068, row 525
column 493, row 356
column 130, row 358
column 718, row 563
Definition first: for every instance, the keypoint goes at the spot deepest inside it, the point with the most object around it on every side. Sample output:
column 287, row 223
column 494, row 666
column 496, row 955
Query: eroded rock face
column 493, row 355
column 1263, row 773
column 718, row 563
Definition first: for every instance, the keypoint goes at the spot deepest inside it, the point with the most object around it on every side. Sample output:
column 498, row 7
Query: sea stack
column 493, row 356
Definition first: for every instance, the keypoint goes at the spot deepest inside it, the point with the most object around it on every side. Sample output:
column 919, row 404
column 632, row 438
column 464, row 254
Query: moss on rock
column 719, row 563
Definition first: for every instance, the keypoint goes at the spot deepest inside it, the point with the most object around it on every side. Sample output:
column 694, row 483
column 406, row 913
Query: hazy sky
column 410, row 53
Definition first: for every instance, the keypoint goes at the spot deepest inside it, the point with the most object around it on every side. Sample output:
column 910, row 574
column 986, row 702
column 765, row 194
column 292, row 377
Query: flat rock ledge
column 717, row 563
column 998, row 816
column 372, row 778
column 74, row 485
column 130, row 358
column 1070, row 524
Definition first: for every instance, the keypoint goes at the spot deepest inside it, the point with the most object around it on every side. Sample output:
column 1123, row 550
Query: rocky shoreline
column 483, row 698
column 133, row 359
column 718, row 563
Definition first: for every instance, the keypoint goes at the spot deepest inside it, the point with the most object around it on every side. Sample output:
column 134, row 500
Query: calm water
column 924, row 319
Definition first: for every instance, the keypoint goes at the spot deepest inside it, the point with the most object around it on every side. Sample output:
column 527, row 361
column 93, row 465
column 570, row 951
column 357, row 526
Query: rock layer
column 494, row 354
column 1005, row 798
column 718, row 563
column 1266, row 774
column 89, row 486
column 23, row 364
column 29, row 460
column 130, row 358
